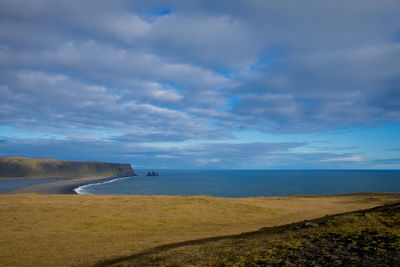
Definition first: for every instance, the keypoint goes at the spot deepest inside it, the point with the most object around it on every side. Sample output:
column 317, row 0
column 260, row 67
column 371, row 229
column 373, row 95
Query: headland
column 67, row 175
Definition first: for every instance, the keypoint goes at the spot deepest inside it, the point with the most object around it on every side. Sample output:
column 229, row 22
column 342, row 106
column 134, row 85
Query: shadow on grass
column 276, row 230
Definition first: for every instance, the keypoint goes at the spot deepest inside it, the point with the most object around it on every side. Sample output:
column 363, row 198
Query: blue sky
column 202, row 84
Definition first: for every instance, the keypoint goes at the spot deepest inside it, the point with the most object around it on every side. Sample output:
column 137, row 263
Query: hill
column 27, row 168
column 368, row 237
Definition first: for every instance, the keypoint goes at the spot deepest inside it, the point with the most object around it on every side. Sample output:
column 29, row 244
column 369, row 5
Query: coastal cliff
column 21, row 167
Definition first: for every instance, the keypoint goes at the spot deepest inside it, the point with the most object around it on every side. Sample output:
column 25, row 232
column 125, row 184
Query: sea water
column 245, row 183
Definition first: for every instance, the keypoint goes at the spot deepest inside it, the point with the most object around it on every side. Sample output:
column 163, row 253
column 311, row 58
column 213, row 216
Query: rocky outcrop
column 20, row 167
column 152, row 173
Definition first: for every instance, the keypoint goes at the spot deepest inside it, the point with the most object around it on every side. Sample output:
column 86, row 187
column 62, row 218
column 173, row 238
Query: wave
column 81, row 190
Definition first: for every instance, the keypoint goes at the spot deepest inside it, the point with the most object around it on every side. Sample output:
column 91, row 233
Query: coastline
column 65, row 186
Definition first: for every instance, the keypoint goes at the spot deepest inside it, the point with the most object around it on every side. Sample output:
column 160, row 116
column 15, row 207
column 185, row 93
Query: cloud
column 259, row 155
column 168, row 95
column 175, row 58
column 132, row 73
column 222, row 155
column 393, row 149
column 349, row 158
column 173, row 136
column 203, row 162
column 392, row 161
column 40, row 99
column 335, row 148
column 323, row 90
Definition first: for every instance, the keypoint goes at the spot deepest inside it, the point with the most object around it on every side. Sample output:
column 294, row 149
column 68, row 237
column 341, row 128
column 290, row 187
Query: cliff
column 20, row 167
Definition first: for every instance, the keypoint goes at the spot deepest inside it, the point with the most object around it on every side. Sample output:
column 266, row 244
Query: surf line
column 81, row 189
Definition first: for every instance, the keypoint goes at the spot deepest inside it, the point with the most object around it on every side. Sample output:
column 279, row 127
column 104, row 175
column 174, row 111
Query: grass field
column 365, row 238
column 81, row 230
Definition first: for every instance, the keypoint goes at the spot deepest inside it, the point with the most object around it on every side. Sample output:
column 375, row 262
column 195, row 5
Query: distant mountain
column 21, row 167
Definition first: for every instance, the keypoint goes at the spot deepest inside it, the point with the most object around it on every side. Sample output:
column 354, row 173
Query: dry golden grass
column 370, row 237
column 71, row 230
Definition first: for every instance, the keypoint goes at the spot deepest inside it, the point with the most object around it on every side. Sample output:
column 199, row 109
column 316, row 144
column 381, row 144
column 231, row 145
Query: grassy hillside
column 20, row 167
column 364, row 238
column 82, row 230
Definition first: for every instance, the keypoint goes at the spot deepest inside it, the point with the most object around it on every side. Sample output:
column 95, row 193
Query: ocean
column 245, row 183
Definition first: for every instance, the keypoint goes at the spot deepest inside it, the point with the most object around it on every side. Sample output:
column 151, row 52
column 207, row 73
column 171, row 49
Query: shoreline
column 65, row 186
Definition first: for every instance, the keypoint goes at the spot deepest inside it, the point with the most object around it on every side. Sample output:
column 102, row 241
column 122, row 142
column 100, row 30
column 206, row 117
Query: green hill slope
column 20, row 167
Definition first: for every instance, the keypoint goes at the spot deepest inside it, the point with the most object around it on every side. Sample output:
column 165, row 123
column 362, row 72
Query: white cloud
column 166, row 95
column 345, row 159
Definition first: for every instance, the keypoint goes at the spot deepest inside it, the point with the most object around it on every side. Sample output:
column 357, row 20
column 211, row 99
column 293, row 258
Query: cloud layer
column 135, row 73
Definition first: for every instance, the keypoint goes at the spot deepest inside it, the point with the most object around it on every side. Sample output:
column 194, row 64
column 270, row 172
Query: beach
column 59, row 186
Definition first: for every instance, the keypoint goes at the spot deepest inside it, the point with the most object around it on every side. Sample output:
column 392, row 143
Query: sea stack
column 152, row 173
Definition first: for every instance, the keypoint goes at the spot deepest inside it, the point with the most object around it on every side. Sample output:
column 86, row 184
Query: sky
column 257, row 84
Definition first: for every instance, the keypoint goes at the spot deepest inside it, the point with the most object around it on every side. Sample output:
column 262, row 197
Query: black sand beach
column 60, row 186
